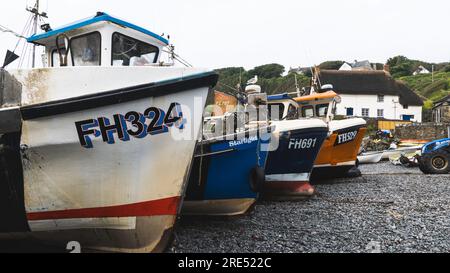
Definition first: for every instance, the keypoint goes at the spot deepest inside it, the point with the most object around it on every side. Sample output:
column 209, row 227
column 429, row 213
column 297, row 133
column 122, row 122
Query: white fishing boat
column 370, row 158
column 100, row 141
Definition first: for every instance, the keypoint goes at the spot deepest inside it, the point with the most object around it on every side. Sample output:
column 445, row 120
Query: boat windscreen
column 86, row 49
column 127, row 51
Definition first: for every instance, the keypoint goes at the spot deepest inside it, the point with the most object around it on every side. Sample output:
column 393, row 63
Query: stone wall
column 423, row 131
column 445, row 116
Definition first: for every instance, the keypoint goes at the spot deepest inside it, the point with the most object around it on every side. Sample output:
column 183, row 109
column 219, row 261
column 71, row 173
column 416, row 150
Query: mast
column 297, row 88
column 36, row 16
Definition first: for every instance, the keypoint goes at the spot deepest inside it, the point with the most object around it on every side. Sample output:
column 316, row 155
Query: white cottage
column 421, row 70
column 373, row 94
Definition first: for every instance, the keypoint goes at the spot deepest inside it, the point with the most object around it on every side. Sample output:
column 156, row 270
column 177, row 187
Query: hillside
column 424, row 85
column 273, row 79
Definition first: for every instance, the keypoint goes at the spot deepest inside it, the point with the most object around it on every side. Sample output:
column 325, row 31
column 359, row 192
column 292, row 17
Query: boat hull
column 226, row 207
column 220, row 181
column 289, row 167
column 370, row 158
column 340, row 150
column 108, row 169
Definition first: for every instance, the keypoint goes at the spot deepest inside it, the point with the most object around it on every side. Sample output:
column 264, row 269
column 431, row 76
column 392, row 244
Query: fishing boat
column 227, row 174
column 339, row 153
column 97, row 145
column 228, row 169
column 295, row 145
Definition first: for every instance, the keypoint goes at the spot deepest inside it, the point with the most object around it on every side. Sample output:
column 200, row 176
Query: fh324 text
column 153, row 121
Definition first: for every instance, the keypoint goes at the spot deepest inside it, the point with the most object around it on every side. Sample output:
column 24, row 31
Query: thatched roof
column 369, row 83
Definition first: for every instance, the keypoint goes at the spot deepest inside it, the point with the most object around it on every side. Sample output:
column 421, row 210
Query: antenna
column 36, row 15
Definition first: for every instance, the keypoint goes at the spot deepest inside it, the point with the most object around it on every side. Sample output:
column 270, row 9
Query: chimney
column 387, row 69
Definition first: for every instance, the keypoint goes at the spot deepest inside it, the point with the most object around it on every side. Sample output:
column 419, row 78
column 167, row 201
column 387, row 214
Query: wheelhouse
column 319, row 105
column 282, row 107
column 102, row 40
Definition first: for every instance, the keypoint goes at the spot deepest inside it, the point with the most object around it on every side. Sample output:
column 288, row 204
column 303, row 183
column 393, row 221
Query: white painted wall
column 391, row 106
column 346, row 67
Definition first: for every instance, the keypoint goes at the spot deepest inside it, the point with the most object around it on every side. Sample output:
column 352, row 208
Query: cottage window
column 127, row 51
column 350, row 111
column 380, row 98
column 405, row 106
column 380, row 113
column 86, row 49
column 365, row 112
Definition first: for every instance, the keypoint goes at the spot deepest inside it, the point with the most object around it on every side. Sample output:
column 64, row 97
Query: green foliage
column 428, row 104
column 268, row 71
column 233, row 77
column 331, row 65
column 436, row 86
column 400, row 66
column 423, row 84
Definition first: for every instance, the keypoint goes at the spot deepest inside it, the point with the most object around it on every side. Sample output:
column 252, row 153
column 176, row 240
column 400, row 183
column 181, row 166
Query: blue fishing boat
column 227, row 174
column 228, row 169
column 296, row 144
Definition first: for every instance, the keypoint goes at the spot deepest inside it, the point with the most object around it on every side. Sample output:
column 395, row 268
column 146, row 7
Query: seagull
column 253, row 81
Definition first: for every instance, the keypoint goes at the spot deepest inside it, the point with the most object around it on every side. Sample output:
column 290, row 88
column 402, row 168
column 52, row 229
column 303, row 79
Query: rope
column 7, row 30
column 178, row 58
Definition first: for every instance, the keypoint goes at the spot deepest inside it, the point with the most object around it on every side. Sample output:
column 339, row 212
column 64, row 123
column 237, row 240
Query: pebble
column 397, row 209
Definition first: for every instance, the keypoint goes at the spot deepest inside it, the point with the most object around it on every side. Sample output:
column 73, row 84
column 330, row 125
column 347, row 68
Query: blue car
column 435, row 158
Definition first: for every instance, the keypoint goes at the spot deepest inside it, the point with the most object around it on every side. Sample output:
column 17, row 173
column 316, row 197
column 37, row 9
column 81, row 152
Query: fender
column 436, row 145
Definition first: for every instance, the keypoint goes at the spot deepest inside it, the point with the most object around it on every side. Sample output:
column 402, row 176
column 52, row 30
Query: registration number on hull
column 346, row 137
column 302, row 143
column 153, row 121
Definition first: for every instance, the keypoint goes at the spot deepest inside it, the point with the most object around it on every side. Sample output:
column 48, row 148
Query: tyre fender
column 257, row 179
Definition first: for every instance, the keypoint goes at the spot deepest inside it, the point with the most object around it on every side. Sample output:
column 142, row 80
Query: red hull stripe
column 167, row 206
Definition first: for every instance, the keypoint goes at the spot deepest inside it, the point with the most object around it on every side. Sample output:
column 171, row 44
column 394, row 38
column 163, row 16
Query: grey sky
column 220, row 33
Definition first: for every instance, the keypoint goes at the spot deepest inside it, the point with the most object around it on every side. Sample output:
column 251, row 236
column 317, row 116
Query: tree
column 268, row 71
column 331, row 65
column 446, row 68
column 400, row 66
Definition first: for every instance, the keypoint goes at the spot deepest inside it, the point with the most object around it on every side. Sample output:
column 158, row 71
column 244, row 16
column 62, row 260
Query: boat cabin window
column 86, row 49
column 308, row 111
column 276, row 111
column 127, row 51
column 322, row 110
column 292, row 113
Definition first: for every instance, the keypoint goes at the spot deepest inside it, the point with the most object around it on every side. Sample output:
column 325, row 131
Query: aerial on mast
column 36, row 16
